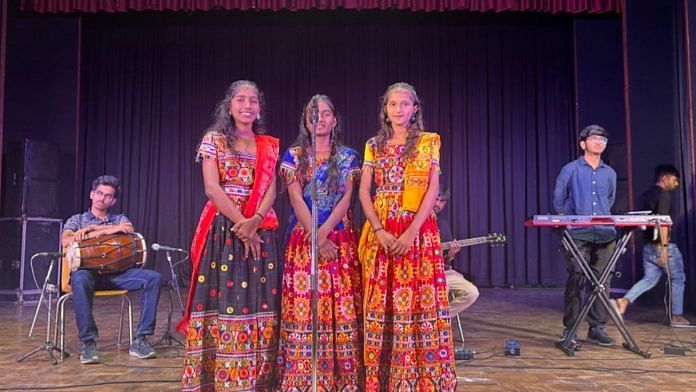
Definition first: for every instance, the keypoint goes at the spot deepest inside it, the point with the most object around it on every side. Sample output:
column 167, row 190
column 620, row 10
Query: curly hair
column 304, row 140
column 222, row 119
column 415, row 127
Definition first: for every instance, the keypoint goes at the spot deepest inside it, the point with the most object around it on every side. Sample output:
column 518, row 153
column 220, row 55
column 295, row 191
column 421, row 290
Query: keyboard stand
column 599, row 291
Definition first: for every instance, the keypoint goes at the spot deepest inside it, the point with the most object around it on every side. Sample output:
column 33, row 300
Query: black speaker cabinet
column 30, row 179
column 20, row 239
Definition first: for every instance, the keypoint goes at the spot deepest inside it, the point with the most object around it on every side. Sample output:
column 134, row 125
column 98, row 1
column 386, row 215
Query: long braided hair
column 304, row 140
column 415, row 127
column 223, row 120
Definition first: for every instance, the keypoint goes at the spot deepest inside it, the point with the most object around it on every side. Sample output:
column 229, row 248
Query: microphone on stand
column 315, row 111
column 157, row 247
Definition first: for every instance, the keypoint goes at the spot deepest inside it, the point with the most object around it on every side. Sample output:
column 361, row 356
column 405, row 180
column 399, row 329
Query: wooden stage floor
column 530, row 316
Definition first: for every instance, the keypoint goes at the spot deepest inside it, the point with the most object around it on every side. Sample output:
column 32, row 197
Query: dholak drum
column 108, row 253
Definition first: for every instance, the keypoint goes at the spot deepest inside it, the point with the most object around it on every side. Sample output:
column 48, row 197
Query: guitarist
column 462, row 293
column 95, row 222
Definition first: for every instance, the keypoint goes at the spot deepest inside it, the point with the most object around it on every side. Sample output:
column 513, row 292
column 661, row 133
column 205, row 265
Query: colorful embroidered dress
column 339, row 304
column 408, row 337
column 234, row 303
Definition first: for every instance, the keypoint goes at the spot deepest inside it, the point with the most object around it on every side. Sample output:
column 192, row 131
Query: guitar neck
column 466, row 242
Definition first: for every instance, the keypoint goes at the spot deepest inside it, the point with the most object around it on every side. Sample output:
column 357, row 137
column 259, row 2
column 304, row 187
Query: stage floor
column 530, row 316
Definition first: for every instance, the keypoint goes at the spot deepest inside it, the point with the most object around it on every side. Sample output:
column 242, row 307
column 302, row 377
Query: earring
column 258, row 116
column 387, row 120
column 413, row 119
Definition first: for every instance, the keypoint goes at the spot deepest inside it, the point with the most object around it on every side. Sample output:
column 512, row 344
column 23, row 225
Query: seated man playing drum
column 96, row 222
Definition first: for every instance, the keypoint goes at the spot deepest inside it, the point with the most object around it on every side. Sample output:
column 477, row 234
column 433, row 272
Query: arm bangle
column 377, row 229
column 260, row 216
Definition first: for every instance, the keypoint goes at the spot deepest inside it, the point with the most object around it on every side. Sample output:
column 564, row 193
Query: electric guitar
column 492, row 239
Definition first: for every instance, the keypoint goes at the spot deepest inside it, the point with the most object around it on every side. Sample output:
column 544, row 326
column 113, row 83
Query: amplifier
column 21, row 239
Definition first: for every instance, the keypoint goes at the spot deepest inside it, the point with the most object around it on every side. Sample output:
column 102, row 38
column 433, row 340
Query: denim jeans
column 653, row 273
column 84, row 283
column 597, row 256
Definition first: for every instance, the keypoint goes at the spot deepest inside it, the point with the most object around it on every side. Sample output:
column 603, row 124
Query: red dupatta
column 267, row 149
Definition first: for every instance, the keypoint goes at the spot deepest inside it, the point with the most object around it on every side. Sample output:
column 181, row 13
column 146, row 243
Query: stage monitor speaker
column 30, row 184
column 21, row 239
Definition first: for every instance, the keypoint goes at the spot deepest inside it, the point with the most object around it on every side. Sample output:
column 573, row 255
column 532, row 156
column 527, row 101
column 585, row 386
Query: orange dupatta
column 417, row 171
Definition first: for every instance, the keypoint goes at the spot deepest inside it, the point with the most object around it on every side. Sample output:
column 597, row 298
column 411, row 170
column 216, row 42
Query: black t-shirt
column 659, row 201
column 445, row 230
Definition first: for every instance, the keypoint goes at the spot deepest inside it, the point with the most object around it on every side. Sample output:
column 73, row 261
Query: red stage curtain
column 550, row 6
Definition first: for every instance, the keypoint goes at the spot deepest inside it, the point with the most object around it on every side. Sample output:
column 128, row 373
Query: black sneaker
column 89, row 353
column 142, row 349
column 599, row 335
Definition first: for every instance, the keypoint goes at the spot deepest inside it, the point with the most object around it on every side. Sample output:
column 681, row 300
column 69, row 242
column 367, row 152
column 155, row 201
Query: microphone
column 315, row 109
column 157, row 247
column 49, row 254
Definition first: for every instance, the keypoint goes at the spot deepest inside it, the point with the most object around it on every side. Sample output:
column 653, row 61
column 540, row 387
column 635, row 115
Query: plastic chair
column 67, row 294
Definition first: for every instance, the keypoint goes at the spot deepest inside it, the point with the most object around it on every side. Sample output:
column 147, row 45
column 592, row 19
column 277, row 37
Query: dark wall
column 656, row 90
column 653, row 86
column 3, row 46
column 599, row 75
column 599, row 93
column 40, row 90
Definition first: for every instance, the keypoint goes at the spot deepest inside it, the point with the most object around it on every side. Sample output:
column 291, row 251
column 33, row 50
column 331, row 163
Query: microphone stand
column 174, row 279
column 50, row 289
column 314, row 261
column 168, row 336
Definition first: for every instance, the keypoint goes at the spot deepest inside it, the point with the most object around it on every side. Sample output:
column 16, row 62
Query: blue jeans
column 653, row 273
column 84, row 283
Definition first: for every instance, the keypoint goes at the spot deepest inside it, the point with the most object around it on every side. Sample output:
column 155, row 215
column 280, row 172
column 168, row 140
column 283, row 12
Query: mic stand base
column 169, row 339
column 49, row 347
column 168, row 336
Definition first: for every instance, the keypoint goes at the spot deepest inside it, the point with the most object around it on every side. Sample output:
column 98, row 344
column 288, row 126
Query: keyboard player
column 587, row 186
